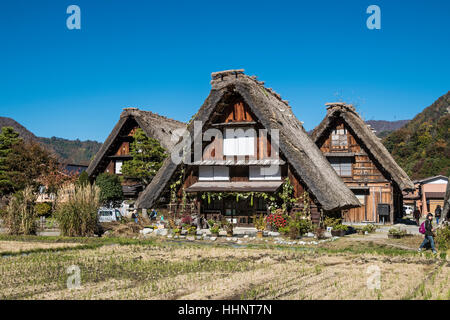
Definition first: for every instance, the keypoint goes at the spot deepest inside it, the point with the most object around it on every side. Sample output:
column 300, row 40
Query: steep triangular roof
column 273, row 113
column 446, row 209
column 372, row 143
column 155, row 126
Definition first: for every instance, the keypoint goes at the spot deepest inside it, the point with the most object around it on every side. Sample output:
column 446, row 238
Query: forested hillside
column 69, row 151
column 422, row 147
column 72, row 151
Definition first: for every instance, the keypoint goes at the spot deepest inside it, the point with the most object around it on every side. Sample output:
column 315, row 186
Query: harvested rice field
column 168, row 269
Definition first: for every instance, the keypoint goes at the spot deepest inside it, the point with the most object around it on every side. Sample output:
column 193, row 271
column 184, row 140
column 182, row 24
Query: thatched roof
column 362, row 132
column 446, row 209
column 273, row 113
column 155, row 126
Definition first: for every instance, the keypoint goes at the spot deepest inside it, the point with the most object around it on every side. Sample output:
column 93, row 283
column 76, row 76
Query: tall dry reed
column 20, row 215
column 76, row 210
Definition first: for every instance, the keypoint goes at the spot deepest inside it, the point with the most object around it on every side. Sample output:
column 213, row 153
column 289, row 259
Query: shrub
column 186, row 220
column 20, row 214
column 110, row 187
column 297, row 227
column 192, row 230
column 276, row 220
column 211, row 223
column 228, row 226
column 340, row 227
column 43, row 209
column 443, row 237
column 83, row 179
column 78, row 215
column 369, row 228
column 397, row 232
column 319, row 233
column 215, row 229
column 331, row 222
column 260, row 222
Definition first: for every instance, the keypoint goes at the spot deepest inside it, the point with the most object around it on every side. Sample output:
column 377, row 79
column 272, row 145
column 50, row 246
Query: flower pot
column 338, row 233
column 259, row 234
column 229, row 234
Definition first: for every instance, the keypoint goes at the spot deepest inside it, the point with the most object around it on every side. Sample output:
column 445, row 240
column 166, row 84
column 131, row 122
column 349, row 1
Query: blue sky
column 158, row 56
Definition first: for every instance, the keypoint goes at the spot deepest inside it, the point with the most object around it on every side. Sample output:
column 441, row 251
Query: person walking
column 417, row 216
column 134, row 216
column 437, row 213
column 428, row 234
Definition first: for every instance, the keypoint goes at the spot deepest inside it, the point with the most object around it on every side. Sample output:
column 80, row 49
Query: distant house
column 429, row 193
column 363, row 163
column 67, row 170
column 116, row 148
column 233, row 164
column 75, row 168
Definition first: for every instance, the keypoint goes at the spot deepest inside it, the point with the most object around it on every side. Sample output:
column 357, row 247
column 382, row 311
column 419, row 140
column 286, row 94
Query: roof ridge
column 236, row 74
column 130, row 111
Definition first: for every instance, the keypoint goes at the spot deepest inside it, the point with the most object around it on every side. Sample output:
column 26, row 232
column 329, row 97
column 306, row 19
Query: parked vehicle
column 408, row 210
column 109, row 215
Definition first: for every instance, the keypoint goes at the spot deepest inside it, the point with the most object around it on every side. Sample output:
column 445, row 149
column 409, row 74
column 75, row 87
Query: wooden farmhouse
column 363, row 163
column 243, row 161
column 116, row 148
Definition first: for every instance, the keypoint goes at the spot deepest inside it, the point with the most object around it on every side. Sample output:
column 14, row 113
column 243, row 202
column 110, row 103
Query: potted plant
column 339, row 230
column 177, row 231
column 319, row 233
column 260, row 225
column 215, row 230
column 228, row 226
column 192, row 230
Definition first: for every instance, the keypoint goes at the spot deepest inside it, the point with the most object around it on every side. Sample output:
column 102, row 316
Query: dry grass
column 173, row 270
column 17, row 246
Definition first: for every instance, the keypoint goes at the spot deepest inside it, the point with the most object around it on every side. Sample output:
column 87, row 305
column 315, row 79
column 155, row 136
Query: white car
column 109, row 215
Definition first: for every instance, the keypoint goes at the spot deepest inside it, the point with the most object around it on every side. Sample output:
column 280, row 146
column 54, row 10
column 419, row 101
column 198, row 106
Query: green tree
column 8, row 138
column 83, row 179
column 148, row 156
column 110, row 188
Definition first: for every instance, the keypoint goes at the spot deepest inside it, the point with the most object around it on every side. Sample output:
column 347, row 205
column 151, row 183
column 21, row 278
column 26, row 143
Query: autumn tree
column 148, row 156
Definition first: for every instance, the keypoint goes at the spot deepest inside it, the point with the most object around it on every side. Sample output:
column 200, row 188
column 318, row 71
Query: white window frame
column 339, row 138
column 239, row 142
column 118, row 166
column 261, row 173
column 213, row 173
column 337, row 164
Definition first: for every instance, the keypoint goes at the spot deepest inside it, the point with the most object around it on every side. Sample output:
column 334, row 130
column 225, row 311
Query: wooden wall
column 365, row 174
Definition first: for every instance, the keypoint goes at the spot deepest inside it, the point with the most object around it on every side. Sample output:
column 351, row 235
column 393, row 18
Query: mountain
column 72, row 151
column 422, row 146
column 69, row 151
column 384, row 128
column 23, row 132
